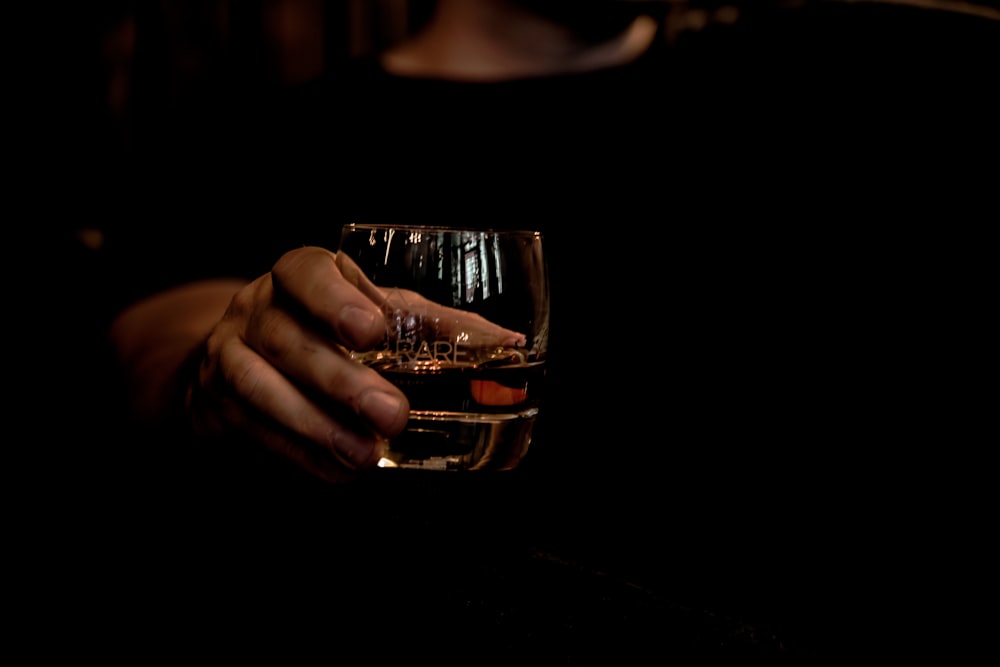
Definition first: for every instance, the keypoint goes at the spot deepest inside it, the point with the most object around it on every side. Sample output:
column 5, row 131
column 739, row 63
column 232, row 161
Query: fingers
column 313, row 362
column 297, row 451
column 259, row 400
column 471, row 329
column 219, row 413
column 276, row 368
column 272, row 374
column 337, row 292
column 269, row 392
column 310, row 277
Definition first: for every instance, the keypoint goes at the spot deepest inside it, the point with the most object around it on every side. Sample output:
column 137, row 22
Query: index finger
column 311, row 277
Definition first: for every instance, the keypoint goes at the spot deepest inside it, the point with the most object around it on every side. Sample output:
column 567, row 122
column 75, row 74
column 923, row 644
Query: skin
column 495, row 40
column 266, row 358
column 271, row 363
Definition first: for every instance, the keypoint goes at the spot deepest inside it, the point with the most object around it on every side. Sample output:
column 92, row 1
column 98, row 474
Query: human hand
column 471, row 329
column 275, row 368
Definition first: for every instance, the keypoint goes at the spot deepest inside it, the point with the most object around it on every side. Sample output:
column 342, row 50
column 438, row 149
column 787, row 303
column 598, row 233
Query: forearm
column 153, row 339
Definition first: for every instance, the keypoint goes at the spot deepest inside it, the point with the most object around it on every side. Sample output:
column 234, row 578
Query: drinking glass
column 466, row 336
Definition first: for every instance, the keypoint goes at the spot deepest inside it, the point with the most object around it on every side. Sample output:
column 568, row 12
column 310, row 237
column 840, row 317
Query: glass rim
column 445, row 229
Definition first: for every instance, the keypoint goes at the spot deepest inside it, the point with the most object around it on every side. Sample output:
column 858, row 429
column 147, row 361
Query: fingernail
column 386, row 412
column 358, row 324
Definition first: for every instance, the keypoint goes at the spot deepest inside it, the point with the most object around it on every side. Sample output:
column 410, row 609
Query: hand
column 274, row 368
column 471, row 329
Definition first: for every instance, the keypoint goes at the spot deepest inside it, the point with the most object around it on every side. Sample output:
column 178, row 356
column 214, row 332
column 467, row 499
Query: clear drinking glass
column 466, row 336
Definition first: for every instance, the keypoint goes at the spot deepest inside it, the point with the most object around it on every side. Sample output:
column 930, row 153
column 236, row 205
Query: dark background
column 824, row 545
